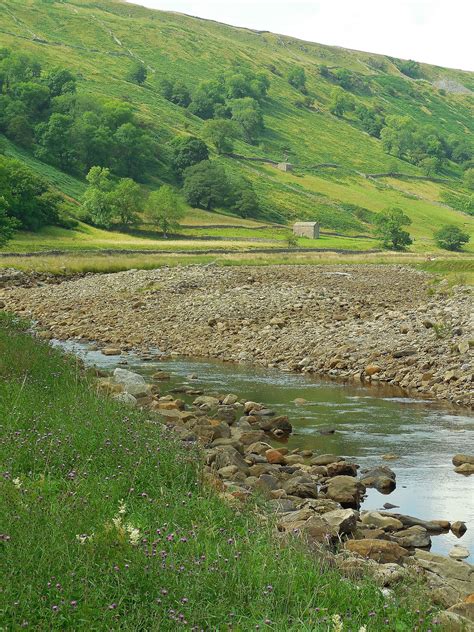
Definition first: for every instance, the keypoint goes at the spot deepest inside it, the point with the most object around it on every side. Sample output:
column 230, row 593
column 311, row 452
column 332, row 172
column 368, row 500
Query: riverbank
column 105, row 523
column 379, row 323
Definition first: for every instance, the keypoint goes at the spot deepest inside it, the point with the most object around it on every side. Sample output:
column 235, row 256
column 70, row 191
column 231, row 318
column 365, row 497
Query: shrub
column 451, row 237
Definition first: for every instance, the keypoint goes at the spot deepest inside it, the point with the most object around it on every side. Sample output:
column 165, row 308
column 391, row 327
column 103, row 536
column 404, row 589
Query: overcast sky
column 434, row 31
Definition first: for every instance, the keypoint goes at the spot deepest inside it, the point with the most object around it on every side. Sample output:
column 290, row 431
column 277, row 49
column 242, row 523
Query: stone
column 375, row 519
column 317, row 528
column 454, row 622
column 325, row 459
column 111, row 351
column 228, row 455
column 458, row 528
column 465, row 468
column 295, row 459
column 372, row 369
column 301, row 486
column 276, row 424
column 125, row 398
column 344, row 520
column 275, row 456
column 378, row 550
column 252, row 407
column 459, row 459
column 161, row 376
column 230, row 400
column 413, row 537
column 459, row 552
column 300, row 401
column 345, row 490
column 409, row 521
column 205, row 400
column 453, row 579
column 382, row 478
column 342, row 468
column 259, row 447
column 132, row 383
column 319, row 505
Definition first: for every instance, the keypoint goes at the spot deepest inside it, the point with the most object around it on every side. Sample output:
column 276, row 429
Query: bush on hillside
column 389, row 228
column 451, row 237
column 297, row 78
column 164, row 209
column 186, row 152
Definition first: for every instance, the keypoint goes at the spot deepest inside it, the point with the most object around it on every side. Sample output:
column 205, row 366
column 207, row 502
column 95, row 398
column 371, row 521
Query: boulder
column 276, row 425
column 319, row 505
column 382, row 478
column 301, row 486
column 465, row 468
column 275, row 456
column 375, row 519
column 458, row 552
column 227, row 455
column 325, row 459
column 413, row 537
column 433, row 526
column 372, row 369
column 454, row 622
column 230, row 399
column 344, row 520
column 459, row 459
column 453, row 580
column 259, row 447
column 132, row 383
column 458, row 528
column 345, row 490
column 161, row 376
column 317, row 528
column 125, row 398
column 206, row 400
column 341, row 468
column 378, row 550
column 111, row 351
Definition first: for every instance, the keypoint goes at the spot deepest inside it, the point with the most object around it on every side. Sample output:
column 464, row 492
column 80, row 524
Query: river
column 367, row 423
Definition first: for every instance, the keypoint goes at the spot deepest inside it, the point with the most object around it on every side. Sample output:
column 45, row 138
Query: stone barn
column 306, row 229
column 285, row 166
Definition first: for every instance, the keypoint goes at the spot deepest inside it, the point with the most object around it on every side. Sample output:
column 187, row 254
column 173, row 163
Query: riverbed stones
column 451, row 580
column 460, row 459
column 381, row 477
column 341, row 468
column 111, row 351
column 458, row 528
column 413, row 537
column 459, row 552
column 379, row 550
column 326, row 459
column 345, row 490
column 344, row 520
column 132, row 383
column 302, row 486
column 375, row 519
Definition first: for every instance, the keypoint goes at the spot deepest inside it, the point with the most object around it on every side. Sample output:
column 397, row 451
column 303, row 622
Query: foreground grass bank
column 105, row 525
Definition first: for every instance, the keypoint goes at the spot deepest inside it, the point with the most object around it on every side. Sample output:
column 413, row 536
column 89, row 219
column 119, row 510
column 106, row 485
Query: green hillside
column 100, row 41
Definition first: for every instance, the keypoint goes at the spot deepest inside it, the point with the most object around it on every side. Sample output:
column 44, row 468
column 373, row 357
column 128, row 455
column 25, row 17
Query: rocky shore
column 375, row 324
column 314, row 497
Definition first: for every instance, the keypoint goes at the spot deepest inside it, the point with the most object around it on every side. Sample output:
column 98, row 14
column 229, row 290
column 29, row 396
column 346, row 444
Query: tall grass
column 106, row 524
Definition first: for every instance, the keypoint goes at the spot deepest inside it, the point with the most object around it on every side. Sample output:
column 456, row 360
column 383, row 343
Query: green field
column 99, row 41
column 177, row 555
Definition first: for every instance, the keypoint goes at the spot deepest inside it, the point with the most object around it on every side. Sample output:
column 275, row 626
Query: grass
column 156, row 548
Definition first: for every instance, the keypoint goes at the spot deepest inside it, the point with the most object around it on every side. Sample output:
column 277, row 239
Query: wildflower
column 133, row 534
column 122, row 508
column 73, row 603
column 362, row 628
column 337, row 623
column 17, row 482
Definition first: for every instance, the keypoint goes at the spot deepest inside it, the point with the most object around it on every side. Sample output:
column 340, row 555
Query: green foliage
column 206, row 185
column 188, row 151
column 247, row 113
column 60, row 81
column 389, row 229
column 410, row 68
column 137, row 73
column 243, row 199
column 451, row 237
column 164, row 209
column 371, row 119
column 469, row 178
column 7, row 224
column 126, row 200
column 221, row 133
column 26, row 197
column 96, row 200
column 176, row 92
column 341, row 102
column 463, row 203
column 297, row 78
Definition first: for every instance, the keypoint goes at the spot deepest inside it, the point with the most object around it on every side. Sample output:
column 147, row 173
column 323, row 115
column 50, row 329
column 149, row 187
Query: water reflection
column 367, row 424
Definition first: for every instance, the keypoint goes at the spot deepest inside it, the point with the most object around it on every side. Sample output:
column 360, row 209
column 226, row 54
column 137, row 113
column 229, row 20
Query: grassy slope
column 69, row 458
column 98, row 40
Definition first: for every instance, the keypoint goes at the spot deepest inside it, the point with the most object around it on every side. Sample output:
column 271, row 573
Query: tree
column 133, row 151
column 389, row 229
column 54, row 142
column 7, row 224
column 60, row 81
column 371, row 119
column 126, row 201
column 164, row 209
column 176, row 92
column 341, row 102
column 469, row 178
column 244, row 199
column 297, row 78
column 206, row 185
column 221, row 133
column 247, row 114
column 137, row 73
column 97, row 200
column 451, row 237
column 187, row 152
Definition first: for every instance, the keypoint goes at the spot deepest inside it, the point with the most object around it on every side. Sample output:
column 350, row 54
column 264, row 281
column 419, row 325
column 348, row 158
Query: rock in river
column 378, row 550
column 345, row 490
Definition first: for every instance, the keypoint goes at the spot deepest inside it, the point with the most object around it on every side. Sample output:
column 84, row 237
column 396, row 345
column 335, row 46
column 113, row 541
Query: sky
column 433, row 31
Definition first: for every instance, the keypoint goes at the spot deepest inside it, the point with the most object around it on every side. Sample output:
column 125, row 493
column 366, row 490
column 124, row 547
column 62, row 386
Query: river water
column 368, row 422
